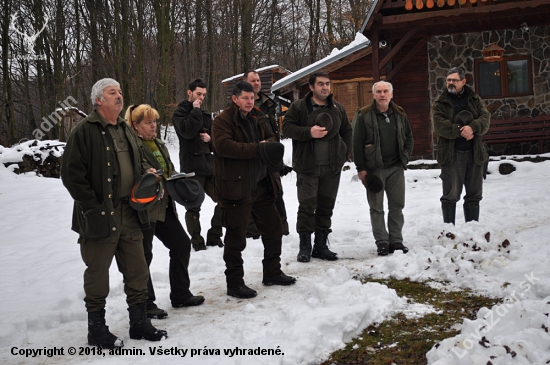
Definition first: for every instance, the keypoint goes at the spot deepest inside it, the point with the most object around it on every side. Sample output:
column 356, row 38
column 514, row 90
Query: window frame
column 504, row 80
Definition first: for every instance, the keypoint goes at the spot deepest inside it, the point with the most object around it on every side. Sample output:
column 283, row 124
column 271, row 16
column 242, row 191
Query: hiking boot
column 140, row 325
column 320, row 248
column 241, row 291
column 280, row 279
column 155, row 312
column 198, row 246
column 193, row 301
column 304, row 255
column 397, row 246
column 383, row 248
column 98, row 332
column 218, row 243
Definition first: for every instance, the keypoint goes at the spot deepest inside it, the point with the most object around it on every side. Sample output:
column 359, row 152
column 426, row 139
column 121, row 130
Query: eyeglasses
column 453, row 81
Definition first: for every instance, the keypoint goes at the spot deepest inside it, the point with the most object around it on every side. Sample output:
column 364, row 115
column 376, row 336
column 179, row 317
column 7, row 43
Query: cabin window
column 509, row 77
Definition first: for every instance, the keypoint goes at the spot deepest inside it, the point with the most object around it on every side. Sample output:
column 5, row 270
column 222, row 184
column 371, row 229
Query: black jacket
column 295, row 126
column 195, row 155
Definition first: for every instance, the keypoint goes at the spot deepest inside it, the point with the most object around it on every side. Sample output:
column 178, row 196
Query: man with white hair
column 100, row 165
column 382, row 146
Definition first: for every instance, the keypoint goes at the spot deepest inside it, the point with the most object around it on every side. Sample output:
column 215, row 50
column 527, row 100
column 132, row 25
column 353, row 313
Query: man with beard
column 460, row 119
column 193, row 126
column 321, row 143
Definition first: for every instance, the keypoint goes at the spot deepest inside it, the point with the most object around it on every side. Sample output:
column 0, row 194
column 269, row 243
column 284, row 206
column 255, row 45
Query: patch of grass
column 400, row 340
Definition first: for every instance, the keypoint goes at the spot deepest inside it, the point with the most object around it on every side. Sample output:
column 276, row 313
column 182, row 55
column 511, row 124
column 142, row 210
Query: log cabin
column 503, row 46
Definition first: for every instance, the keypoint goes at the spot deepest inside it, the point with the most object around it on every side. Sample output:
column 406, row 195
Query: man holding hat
column 460, row 119
column 100, row 166
column 382, row 146
column 247, row 159
column 321, row 143
column 265, row 109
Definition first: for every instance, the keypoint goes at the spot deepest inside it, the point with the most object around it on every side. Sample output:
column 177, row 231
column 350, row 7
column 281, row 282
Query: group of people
column 106, row 157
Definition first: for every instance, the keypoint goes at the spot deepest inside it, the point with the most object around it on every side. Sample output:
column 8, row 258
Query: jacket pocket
column 231, row 188
column 95, row 222
column 369, row 153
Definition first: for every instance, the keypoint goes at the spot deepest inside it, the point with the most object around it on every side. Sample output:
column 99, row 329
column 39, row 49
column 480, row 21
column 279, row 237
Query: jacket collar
column 309, row 102
column 372, row 106
column 95, row 117
column 266, row 100
column 446, row 96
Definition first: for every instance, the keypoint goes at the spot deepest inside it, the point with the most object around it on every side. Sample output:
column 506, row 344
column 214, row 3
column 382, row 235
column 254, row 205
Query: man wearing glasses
column 460, row 119
column 382, row 146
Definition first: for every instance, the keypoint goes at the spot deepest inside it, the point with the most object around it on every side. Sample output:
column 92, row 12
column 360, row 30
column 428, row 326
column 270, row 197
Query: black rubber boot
column 305, row 247
column 471, row 211
column 449, row 212
column 140, row 325
column 98, row 332
column 320, row 248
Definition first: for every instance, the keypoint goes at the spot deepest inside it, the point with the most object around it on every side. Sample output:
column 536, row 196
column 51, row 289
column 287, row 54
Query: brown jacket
column 237, row 155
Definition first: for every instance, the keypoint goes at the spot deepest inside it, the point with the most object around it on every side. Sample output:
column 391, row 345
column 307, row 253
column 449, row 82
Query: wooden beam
column 457, row 15
column 375, row 55
column 416, row 48
column 398, row 46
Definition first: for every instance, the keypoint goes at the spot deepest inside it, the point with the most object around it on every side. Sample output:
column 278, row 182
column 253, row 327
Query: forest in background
column 53, row 51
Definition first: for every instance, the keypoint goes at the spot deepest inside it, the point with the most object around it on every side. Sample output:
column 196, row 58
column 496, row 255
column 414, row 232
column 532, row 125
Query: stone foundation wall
column 461, row 50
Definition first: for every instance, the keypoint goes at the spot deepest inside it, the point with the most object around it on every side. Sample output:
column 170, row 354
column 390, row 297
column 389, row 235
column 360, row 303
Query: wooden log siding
column 523, row 129
column 419, row 4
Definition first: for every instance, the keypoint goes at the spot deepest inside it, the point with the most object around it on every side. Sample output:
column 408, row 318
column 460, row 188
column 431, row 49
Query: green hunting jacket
column 295, row 126
column 157, row 212
column 448, row 131
column 87, row 171
column 366, row 137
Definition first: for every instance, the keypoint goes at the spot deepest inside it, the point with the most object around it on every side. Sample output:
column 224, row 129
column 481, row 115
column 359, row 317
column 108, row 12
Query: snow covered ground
column 506, row 255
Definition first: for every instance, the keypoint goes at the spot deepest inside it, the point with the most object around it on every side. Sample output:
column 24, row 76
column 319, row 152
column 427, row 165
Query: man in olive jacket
column 100, row 165
column 460, row 119
column 382, row 146
column 318, row 162
column 193, row 126
column 245, row 187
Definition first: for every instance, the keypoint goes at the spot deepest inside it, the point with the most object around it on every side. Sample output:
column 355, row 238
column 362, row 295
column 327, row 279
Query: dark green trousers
column 316, row 197
column 127, row 249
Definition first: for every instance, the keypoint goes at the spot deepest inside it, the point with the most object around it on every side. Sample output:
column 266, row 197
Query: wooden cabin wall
column 411, row 92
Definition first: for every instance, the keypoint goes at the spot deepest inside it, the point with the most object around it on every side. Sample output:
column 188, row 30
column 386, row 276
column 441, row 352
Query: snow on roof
column 257, row 70
column 360, row 42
